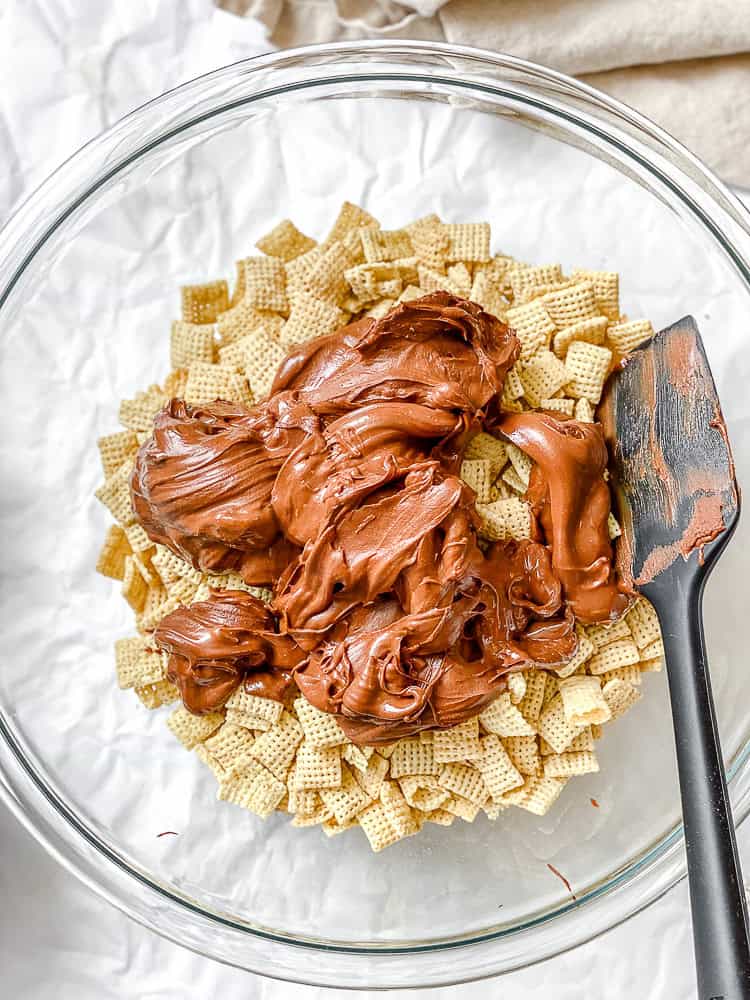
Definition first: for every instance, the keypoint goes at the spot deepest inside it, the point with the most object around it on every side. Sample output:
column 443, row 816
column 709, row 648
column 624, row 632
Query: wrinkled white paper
column 98, row 330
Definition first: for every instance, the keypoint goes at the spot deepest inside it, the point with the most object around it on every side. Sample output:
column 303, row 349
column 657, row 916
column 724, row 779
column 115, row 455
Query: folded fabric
column 685, row 65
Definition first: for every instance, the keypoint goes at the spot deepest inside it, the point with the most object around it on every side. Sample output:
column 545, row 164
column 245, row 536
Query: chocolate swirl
column 341, row 491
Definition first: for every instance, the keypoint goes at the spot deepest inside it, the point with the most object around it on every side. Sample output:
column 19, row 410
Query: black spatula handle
column 717, row 898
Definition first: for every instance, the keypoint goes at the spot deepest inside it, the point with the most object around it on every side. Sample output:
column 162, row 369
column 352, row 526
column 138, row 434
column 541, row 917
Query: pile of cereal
column 268, row 756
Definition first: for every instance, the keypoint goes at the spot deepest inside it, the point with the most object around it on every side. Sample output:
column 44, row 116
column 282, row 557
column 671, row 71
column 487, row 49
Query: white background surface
column 68, row 69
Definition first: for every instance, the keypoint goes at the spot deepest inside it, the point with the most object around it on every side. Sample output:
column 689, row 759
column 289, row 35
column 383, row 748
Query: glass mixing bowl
column 91, row 265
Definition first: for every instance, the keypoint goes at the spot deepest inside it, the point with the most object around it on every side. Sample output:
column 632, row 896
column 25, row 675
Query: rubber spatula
column 673, row 481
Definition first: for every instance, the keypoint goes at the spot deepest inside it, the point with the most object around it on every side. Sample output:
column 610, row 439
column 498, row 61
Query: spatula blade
column 673, row 474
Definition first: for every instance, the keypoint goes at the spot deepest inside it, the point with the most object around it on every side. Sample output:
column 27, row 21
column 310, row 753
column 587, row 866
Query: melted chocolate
column 568, row 493
column 341, row 491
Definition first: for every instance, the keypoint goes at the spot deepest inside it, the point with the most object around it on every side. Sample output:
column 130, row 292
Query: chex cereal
column 520, row 748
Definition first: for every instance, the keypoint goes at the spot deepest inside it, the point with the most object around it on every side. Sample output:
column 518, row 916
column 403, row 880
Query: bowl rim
column 25, row 792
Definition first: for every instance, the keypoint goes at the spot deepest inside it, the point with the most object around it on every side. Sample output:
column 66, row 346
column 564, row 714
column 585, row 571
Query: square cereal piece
column 276, row 748
column 137, row 664
column 584, row 651
column 583, row 701
column 207, row 383
column 533, row 326
column 254, row 788
column 350, row 217
column 570, row 764
column 257, row 726
column 544, row 375
column 320, row 728
column 631, row 674
column 302, row 801
column 170, row 566
column 309, row 318
column 468, row 241
column 430, row 242
column 516, row 686
column 460, row 278
column 459, row 743
column 619, row 696
column 203, row 303
column 613, row 527
column 606, row 290
column 555, row 727
column 501, row 519
column 440, row 816
column 348, row 800
column 654, row 650
column 603, row 635
column 375, row 822
column 139, row 543
column 464, row 781
column 297, row 269
column 372, row 778
column 261, row 358
column 242, row 320
column 513, row 388
column 114, row 551
column 523, row 280
column 572, row 304
column 616, row 654
column 628, row 334
column 384, row 245
column 265, row 284
column 318, row 768
column 134, row 586
column 505, row 719
column 588, row 367
column 332, row 828
column 326, row 278
column 191, row 729
column 117, row 449
column 651, row 666
column 374, row 281
column 285, row 241
column 158, row 694
column 524, row 753
column 584, row 412
column 458, row 806
column 138, row 413
column 558, row 405
column 584, row 741
column 520, row 462
column 254, row 706
column 191, row 342
column 487, row 292
column 397, row 809
column 511, row 478
column 229, row 746
column 412, row 756
column 485, row 447
column 422, row 792
column 382, row 308
column 643, row 622
column 498, row 771
column 531, row 704
column 477, row 473
column 114, row 493
column 432, row 280
column 592, row 331
column 539, row 795
column 207, row 758
column 358, row 757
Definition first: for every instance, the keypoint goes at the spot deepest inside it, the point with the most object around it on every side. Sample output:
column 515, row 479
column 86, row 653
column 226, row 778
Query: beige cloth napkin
column 684, row 63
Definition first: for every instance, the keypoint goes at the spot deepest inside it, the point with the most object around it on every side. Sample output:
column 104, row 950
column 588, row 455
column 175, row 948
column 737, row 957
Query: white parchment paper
column 100, row 61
